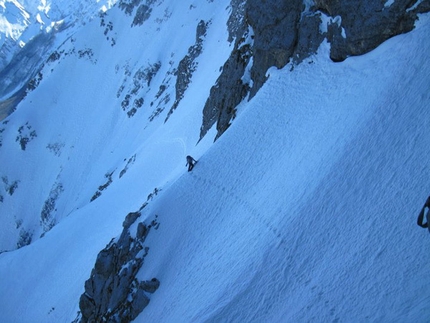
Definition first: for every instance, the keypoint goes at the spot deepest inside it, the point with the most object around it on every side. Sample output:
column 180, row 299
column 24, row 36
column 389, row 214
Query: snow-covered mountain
column 302, row 210
column 30, row 31
column 22, row 20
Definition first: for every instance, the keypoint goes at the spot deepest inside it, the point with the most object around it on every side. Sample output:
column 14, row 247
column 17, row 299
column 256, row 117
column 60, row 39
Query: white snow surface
column 303, row 211
column 388, row 3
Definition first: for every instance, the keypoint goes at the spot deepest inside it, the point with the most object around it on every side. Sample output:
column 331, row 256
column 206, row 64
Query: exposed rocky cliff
column 359, row 27
column 113, row 293
column 188, row 65
column 285, row 31
column 263, row 34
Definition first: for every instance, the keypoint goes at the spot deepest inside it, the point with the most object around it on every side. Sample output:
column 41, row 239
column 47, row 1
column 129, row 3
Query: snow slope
column 303, row 211
column 29, row 31
column 71, row 133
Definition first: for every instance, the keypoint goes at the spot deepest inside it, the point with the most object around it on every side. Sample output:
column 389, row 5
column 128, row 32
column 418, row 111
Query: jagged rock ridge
column 188, row 65
column 113, row 293
column 287, row 31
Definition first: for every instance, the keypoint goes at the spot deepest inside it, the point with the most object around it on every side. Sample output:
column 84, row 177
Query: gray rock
column 287, row 31
column 142, row 14
column 87, row 306
column 276, row 26
column 140, row 301
column 228, row 92
column 104, row 263
column 142, row 231
column 188, row 65
column 130, row 219
column 128, row 5
column 309, row 37
column 229, row 89
column 366, row 24
column 112, row 293
column 150, row 286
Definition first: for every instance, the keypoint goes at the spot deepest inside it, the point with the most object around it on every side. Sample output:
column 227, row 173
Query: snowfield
column 303, row 211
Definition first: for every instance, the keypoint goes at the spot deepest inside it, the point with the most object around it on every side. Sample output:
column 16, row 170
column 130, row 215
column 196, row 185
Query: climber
column 420, row 220
column 190, row 162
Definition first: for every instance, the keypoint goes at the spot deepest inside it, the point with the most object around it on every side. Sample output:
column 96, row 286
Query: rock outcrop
column 361, row 27
column 113, row 293
column 289, row 31
column 188, row 65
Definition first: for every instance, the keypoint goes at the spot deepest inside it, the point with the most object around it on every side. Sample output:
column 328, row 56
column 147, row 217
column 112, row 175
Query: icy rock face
column 230, row 89
column 188, row 65
column 113, row 293
column 276, row 25
column 269, row 33
column 357, row 28
column 277, row 32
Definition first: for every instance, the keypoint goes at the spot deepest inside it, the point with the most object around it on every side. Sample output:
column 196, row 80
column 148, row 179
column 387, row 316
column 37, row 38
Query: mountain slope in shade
column 303, row 211
column 73, row 138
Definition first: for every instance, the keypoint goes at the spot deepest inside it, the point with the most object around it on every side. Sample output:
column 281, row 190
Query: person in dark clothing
column 420, row 220
column 190, row 162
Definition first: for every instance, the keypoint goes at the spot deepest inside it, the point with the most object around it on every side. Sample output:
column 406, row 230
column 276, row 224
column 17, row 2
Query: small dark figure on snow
column 190, row 162
column 420, row 220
